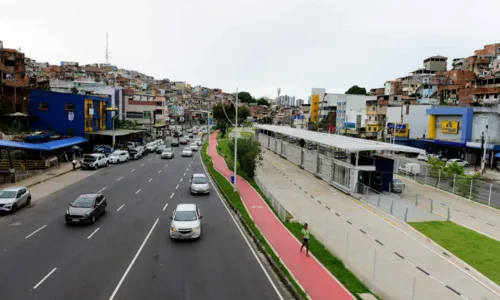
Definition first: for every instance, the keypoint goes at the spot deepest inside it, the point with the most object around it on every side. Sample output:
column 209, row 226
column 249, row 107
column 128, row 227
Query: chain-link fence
column 280, row 209
column 473, row 189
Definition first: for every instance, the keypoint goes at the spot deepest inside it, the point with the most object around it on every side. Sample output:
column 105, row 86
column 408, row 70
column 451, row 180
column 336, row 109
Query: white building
column 349, row 108
column 413, row 115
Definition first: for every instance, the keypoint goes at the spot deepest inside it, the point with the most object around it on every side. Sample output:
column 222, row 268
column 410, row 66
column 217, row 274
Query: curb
column 256, row 240
column 52, row 177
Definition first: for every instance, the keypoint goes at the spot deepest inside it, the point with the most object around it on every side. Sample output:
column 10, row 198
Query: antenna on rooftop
column 107, row 50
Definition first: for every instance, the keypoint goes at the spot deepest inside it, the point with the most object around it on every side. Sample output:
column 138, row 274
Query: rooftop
column 338, row 141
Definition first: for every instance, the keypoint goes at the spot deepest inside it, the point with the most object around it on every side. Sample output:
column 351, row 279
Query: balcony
column 374, row 122
column 376, row 111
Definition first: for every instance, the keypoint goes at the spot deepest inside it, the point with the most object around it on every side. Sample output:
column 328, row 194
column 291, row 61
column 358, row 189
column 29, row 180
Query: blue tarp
column 50, row 146
column 497, row 155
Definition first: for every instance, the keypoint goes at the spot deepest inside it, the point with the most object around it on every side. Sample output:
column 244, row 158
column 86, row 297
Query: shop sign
column 449, row 127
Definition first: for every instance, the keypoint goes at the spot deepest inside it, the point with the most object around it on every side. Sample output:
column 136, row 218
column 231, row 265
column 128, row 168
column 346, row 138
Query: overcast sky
column 257, row 45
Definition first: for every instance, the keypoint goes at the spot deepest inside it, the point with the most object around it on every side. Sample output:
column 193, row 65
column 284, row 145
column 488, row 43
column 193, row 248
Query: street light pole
column 235, row 138
column 113, row 121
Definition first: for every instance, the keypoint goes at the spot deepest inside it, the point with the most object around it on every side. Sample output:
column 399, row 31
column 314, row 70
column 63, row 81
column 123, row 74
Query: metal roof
column 338, row 141
column 49, row 146
column 118, row 132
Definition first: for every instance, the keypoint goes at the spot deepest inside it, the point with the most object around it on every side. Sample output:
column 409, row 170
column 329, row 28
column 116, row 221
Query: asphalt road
column 127, row 253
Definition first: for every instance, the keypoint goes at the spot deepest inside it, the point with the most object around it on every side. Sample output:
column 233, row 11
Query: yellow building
column 376, row 111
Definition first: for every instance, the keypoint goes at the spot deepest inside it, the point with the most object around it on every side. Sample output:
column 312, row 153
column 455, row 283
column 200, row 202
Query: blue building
column 68, row 114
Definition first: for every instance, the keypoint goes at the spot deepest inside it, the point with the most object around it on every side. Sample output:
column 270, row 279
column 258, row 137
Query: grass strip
column 234, row 200
column 477, row 250
column 334, row 265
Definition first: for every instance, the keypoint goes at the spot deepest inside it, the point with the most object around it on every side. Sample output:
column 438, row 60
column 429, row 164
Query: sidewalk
column 480, row 218
column 310, row 274
column 384, row 253
column 45, row 175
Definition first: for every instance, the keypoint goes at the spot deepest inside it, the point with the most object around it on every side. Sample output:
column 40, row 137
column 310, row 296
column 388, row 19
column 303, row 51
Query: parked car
column 167, row 153
column 397, row 186
column 410, row 168
column 199, row 184
column 135, row 153
column 104, row 149
column 423, row 157
column 174, row 143
column 13, row 198
column 93, row 161
column 194, row 147
column 187, row 152
column 160, row 149
column 186, row 222
column 86, row 208
column 458, row 161
column 118, row 156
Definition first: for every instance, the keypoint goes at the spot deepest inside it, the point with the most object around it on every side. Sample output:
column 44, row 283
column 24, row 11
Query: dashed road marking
column 182, row 178
column 159, row 172
column 150, row 179
column 44, row 278
column 177, row 187
column 119, row 208
column 133, row 170
column 119, row 178
column 165, row 207
column 138, row 191
column 88, row 238
column 172, row 196
column 101, row 190
column 142, row 165
column 28, row 236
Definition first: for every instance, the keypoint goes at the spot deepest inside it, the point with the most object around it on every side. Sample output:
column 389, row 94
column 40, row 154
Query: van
column 410, row 168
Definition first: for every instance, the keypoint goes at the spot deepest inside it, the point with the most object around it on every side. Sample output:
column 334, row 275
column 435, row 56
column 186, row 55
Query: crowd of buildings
column 73, row 99
column 454, row 112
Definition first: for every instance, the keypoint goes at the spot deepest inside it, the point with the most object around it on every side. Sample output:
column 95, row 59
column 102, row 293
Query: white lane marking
column 133, row 170
column 184, row 174
column 44, row 278
column 165, row 207
column 142, row 165
column 120, row 207
column 150, row 179
column 101, row 190
column 119, row 178
column 177, row 187
column 138, row 191
column 245, row 238
column 181, row 179
column 166, row 165
column 35, row 231
column 172, row 196
column 159, row 172
column 133, row 260
column 88, row 238
column 187, row 169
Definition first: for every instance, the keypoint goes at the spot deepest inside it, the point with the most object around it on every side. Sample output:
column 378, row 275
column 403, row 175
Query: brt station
column 349, row 164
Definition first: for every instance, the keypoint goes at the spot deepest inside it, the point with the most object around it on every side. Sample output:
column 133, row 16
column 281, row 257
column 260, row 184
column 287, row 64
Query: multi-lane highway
column 127, row 253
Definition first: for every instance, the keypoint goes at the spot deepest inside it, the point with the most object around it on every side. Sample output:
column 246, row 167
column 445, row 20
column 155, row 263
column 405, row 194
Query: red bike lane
column 311, row 275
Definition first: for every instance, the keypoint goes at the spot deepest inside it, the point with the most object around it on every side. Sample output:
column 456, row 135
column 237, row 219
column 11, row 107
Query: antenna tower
column 107, row 50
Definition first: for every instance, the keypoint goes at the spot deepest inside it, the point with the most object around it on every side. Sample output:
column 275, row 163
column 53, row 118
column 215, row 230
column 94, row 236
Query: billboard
column 315, row 108
column 450, row 127
column 398, row 129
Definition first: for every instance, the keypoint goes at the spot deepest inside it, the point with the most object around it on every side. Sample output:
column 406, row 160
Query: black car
column 175, row 143
column 86, row 209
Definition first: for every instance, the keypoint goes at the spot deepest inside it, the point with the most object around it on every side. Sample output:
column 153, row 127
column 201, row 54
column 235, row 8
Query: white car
column 199, row 184
column 187, row 152
column 199, row 142
column 151, row 147
column 194, row 147
column 118, row 156
column 423, row 156
column 13, row 198
column 185, row 222
column 458, row 161
column 94, row 161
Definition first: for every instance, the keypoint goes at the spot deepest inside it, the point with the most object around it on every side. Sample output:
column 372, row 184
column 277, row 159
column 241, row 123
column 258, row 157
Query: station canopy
column 348, row 144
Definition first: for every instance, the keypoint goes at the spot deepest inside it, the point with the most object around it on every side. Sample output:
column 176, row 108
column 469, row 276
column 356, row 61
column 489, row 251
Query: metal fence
column 473, row 189
column 280, row 209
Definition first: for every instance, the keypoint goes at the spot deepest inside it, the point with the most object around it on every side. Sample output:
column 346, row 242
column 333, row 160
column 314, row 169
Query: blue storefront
column 68, row 114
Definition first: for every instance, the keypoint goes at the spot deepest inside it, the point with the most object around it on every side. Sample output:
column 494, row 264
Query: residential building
column 350, row 108
column 413, row 117
column 376, row 111
column 299, row 102
column 377, row 92
column 14, row 82
column 458, row 64
column 68, row 114
column 436, row 63
column 145, row 109
column 393, row 87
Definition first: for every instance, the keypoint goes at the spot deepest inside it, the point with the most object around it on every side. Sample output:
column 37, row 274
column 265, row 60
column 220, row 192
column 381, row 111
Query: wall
column 415, row 117
column 464, row 115
column 56, row 118
column 479, row 125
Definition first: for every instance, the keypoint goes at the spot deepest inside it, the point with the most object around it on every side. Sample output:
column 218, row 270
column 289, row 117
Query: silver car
column 13, row 198
column 187, row 152
column 397, row 186
column 199, row 184
column 185, row 222
column 167, row 153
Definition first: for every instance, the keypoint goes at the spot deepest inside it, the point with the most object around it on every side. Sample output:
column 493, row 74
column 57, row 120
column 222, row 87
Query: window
column 69, row 106
column 159, row 112
column 134, row 115
column 43, row 106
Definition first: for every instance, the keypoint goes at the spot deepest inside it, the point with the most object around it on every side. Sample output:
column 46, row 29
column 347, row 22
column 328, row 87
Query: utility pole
column 484, row 143
column 235, row 138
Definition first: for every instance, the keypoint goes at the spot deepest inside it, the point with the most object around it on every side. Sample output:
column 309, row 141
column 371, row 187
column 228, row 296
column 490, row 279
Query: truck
column 410, row 168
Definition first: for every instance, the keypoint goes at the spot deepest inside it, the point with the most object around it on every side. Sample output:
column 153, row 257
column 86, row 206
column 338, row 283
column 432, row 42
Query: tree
column 249, row 155
column 165, row 80
column 356, row 90
column 267, row 120
column 74, row 90
column 243, row 113
column 263, row 101
column 245, row 97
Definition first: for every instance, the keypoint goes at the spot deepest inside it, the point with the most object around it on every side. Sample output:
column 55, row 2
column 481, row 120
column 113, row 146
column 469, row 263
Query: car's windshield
column 395, row 180
column 114, row 154
column 200, row 180
column 83, row 202
column 88, row 158
column 185, row 216
column 187, row 149
column 8, row 194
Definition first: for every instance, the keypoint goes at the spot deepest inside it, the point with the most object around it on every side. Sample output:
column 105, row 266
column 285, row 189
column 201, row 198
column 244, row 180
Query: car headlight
column 173, row 229
column 196, row 229
column 67, row 212
column 87, row 215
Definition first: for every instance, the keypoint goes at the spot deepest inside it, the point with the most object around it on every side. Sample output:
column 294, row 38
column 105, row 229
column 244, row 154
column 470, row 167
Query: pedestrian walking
column 74, row 164
column 306, row 235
